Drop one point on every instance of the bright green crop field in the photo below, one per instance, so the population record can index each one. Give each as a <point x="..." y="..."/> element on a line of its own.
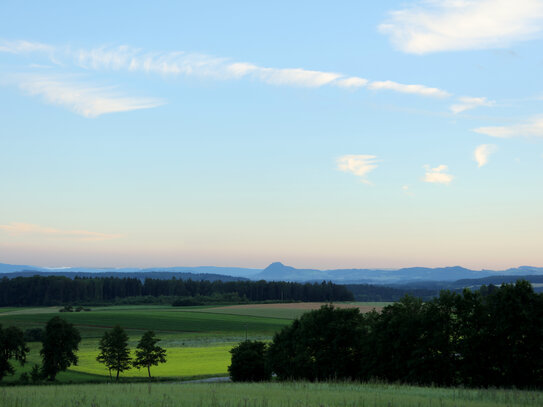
<point x="261" y="395"/>
<point x="196" y="339"/>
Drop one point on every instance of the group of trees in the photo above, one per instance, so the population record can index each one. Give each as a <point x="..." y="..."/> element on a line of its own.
<point x="60" y="343"/>
<point x="490" y="337"/>
<point x="115" y="353"/>
<point x="56" y="290"/>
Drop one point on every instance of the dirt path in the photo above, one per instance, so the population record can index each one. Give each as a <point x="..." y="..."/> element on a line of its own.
<point x="299" y="305"/>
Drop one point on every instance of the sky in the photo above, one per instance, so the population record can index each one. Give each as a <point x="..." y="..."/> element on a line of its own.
<point x="326" y="135"/>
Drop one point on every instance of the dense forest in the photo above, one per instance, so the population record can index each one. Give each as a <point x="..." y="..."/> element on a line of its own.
<point x="37" y="290"/>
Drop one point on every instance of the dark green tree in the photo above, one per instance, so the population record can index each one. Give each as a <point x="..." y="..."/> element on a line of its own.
<point x="60" y="343"/>
<point x="12" y="347"/>
<point x="249" y="362"/>
<point x="106" y="355"/>
<point x="114" y="351"/>
<point x="320" y="345"/>
<point x="148" y="353"/>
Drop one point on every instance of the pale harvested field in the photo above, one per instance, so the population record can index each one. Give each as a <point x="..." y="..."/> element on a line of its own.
<point x="284" y="310"/>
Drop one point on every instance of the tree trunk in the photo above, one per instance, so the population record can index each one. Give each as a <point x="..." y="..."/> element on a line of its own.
<point x="117" y="378"/>
<point x="149" y="370"/>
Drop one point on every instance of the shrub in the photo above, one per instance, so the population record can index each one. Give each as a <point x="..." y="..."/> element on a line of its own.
<point x="249" y="362"/>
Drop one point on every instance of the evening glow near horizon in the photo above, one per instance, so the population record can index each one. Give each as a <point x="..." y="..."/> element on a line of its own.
<point x="352" y="134"/>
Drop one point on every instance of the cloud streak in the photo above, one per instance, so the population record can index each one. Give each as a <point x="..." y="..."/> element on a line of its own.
<point x="437" y="175"/>
<point x="124" y="58"/>
<point x="359" y="165"/>
<point x="532" y="128"/>
<point x="452" y="25"/>
<point x="82" y="99"/>
<point x="27" y="229"/>
<point x="413" y="89"/>
<point x="482" y="153"/>
<point x="468" y="103"/>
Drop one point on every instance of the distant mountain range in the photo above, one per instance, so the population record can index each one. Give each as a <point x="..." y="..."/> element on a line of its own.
<point x="278" y="271"/>
<point x="414" y="276"/>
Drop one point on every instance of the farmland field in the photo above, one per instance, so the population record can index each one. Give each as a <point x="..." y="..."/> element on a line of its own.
<point x="296" y="394"/>
<point x="197" y="339"/>
<point x="282" y="310"/>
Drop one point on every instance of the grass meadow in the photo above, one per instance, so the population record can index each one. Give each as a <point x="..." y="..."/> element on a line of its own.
<point x="261" y="395"/>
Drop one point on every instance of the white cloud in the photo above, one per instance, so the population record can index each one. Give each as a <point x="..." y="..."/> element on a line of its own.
<point x="482" y="153"/>
<point x="352" y="82"/>
<point x="27" y="229"/>
<point x="359" y="165"/>
<point x="414" y="89"/>
<point x="295" y="77"/>
<point x="205" y="66"/>
<point x="448" y="25"/>
<point x="21" y="47"/>
<point x="82" y="99"/>
<point x="467" y="103"/>
<point x="533" y="128"/>
<point x="437" y="175"/>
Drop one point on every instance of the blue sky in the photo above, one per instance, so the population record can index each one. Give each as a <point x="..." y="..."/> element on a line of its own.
<point x="353" y="134"/>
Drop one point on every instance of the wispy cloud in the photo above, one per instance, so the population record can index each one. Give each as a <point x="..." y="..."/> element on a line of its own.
<point x="482" y="153"/>
<point x="447" y="25"/>
<point x="205" y="66"/>
<point x="220" y="68"/>
<point x="414" y="89"/>
<point x="181" y="63"/>
<point x="437" y="175"/>
<point x="467" y="103"/>
<point x="22" y="47"/>
<point x="359" y="165"/>
<point x="532" y="128"/>
<point x="27" y="229"/>
<point x="82" y="99"/>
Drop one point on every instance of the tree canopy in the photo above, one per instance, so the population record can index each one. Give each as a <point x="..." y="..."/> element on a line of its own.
<point x="249" y="362"/>
<point x="114" y="351"/>
<point x="490" y="337"/>
<point x="60" y="344"/>
<point x="56" y="290"/>
<point x="12" y="347"/>
<point x="148" y="353"/>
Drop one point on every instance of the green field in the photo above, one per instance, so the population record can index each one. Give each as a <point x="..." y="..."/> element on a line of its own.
<point x="197" y="339"/>
<point x="182" y="322"/>
<point x="261" y="395"/>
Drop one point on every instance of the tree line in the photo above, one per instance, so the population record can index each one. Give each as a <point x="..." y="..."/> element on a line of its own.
<point x="60" y="343"/>
<point x="489" y="337"/>
<point x="55" y="290"/>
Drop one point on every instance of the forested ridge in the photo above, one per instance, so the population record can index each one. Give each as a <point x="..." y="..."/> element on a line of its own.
<point x="53" y="290"/>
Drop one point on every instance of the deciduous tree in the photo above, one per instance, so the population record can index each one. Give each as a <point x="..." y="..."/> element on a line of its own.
<point x="60" y="344"/>
<point x="148" y="353"/>
<point x="114" y="351"/>
<point x="12" y="347"/>
<point x="249" y="362"/>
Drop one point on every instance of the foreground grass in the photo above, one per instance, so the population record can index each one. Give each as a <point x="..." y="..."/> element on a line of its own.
<point x="261" y="395"/>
